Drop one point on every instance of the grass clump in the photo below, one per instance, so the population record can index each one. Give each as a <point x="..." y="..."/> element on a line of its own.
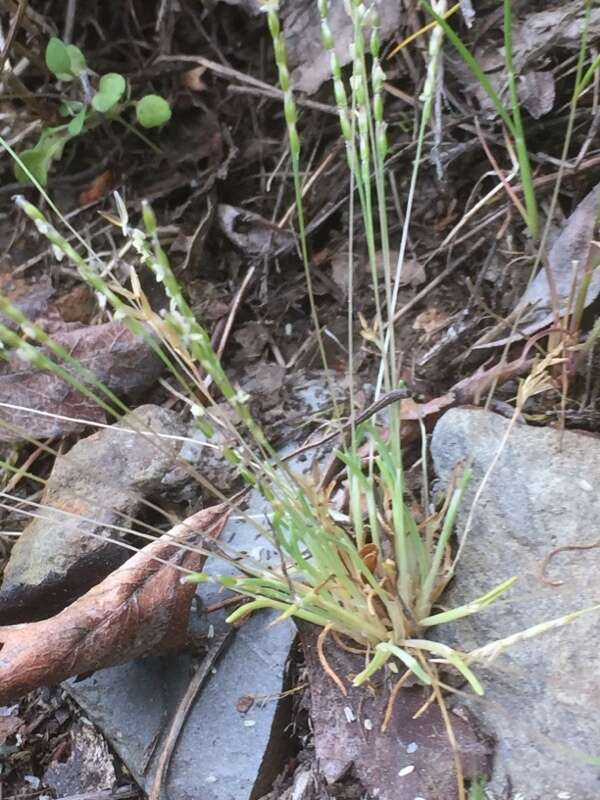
<point x="372" y="571"/>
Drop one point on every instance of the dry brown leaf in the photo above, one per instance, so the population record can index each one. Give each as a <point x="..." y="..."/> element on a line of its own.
<point x="430" y="321"/>
<point x="537" y="92"/>
<point x="32" y="299"/>
<point x="472" y="388"/>
<point x="9" y="725"/>
<point x="253" y="234"/>
<point x="97" y="188"/>
<point x="117" y="358"/>
<point x="412" y="273"/>
<point x="192" y="79"/>
<point x="410" y="410"/>
<point x="140" y="609"/>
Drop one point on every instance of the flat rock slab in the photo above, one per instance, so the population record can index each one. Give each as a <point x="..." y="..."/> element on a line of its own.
<point x="542" y="701"/>
<point x="412" y="758"/>
<point x="222" y="753"/>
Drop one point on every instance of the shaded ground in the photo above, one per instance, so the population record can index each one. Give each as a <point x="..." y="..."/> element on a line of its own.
<point x="218" y="177"/>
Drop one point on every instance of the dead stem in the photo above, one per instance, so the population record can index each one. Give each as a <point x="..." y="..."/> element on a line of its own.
<point x="392" y="701"/>
<point x="460" y="777"/>
<point x="358" y="651"/>
<point x="325" y="664"/>
<point x="555" y="552"/>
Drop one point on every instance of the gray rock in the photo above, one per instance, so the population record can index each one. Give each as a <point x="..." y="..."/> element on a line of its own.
<point x="101" y="481"/>
<point x="88" y="768"/>
<point x="221" y="754"/>
<point x="542" y="700"/>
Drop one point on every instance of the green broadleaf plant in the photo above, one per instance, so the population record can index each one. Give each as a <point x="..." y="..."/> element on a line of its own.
<point x="111" y="89"/>
<point x="66" y="61"/>
<point x="110" y="101"/>
<point x="152" y="111"/>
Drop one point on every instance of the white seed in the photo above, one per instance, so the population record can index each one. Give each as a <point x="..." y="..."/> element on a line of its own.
<point x="249" y="723"/>
<point x="406" y="771"/>
<point x="349" y="714"/>
<point x="368" y="725"/>
<point x="412" y="747"/>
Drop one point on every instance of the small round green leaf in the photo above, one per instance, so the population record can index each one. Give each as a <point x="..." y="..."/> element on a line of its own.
<point x="111" y="89"/>
<point x="58" y="60"/>
<point x="76" y="60"/>
<point x="152" y="111"/>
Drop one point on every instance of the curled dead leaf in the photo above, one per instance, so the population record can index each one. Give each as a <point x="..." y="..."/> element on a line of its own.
<point x="253" y="234"/>
<point x="140" y="609"/>
<point x="97" y="188"/>
<point x="192" y="79"/>
<point x="572" y="276"/>
<point x="370" y="556"/>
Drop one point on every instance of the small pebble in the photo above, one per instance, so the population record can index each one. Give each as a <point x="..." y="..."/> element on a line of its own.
<point x="406" y="771"/>
<point x="412" y="747"/>
<point x="368" y="725"/>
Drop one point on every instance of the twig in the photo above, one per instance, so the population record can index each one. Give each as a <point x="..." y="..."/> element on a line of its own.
<point x="325" y="663"/>
<point x="70" y="13"/>
<point x="125" y="794"/>
<point x="392" y="700"/>
<point x="12" y="33"/>
<point x="233" y="311"/>
<point x="229" y="72"/>
<point x="555" y="552"/>
<point x="215" y="650"/>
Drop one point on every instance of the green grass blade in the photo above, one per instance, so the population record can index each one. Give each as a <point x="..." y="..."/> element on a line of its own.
<point x="469" y="608"/>
<point x="409" y="661"/>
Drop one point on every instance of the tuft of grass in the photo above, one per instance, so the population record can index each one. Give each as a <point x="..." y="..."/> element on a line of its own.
<point x="372" y="572"/>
